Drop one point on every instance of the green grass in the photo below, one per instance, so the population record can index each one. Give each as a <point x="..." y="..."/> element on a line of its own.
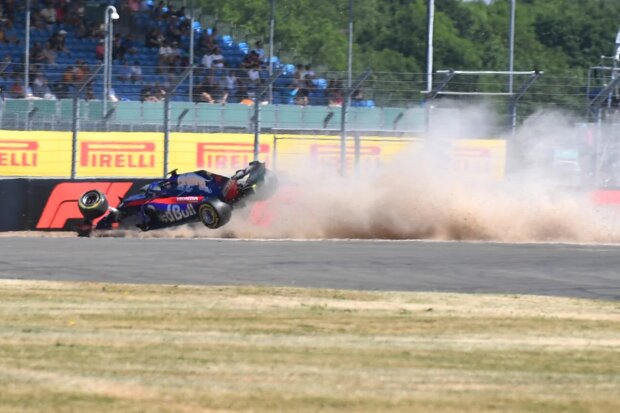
<point x="85" y="347"/>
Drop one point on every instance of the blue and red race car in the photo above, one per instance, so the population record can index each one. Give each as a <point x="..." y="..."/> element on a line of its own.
<point x="180" y="199"/>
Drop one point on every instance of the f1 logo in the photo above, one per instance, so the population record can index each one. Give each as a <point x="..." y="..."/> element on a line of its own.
<point x="62" y="204"/>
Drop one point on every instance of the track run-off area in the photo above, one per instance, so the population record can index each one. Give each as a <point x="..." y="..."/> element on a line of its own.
<point x="570" y="270"/>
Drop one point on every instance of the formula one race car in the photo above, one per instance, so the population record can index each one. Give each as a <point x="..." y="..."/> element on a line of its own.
<point x="180" y="199"/>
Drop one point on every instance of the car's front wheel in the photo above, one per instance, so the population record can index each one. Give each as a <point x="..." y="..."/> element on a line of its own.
<point x="215" y="213"/>
<point x="93" y="204"/>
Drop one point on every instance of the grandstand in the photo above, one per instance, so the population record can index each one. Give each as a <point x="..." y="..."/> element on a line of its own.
<point x="82" y="47"/>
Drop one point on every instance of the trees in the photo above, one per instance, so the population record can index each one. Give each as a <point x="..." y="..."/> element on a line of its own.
<point x="390" y="35"/>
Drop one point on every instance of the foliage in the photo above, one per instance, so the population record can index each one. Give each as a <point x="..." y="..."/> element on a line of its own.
<point x="390" y="35"/>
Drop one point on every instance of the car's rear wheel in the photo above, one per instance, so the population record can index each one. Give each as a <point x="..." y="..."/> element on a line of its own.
<point x="93" y="204"/>
<point x="215" y="213"/>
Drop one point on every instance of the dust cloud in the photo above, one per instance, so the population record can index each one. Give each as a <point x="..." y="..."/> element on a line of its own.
<point x="424" y="194"/>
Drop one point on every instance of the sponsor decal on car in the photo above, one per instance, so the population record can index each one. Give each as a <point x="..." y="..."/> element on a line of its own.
<point x="189" y="199"/>
<point x="174" y="213"/>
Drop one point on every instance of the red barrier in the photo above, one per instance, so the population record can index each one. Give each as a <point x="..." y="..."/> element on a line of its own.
<point x="62" y="204"/>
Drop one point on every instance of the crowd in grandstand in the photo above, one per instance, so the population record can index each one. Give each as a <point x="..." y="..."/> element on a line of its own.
<point x="66" y="44"/>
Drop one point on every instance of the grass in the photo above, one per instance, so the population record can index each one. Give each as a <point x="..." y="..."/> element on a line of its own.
<point x="86" y="347"/>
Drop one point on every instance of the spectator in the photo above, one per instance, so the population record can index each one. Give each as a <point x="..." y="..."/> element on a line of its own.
<point x="217" y="60"/>
<point x="66" y="83"/>
<point x="357" y="98"/>
<point x="334" y="93"/>
<point x="90" y="93"/>
<point x="127" y="45"/>
<point x="36" y="53"/>
<point x="154" y="39"/>
<point x="117" y="51"/>
<point x="250" y="60"/>
<point x="173" y="33"/>
<point x="133" y="5"/>
<point x="9" y="9"/>
<point x="80" y="72"/>
<point x="232" y="85"/>
<point x="159" y="91"/>
<point x="48" y="13"/>
<point x="259" y="50"/>
<point x="254" y="76"/>
<point x="300" y="75"/>
<point x="207" y="42"/>
<point x="300" y="86"/>
<point x="61" y="10"/>
<point x="136" y="72"/>
<point x="125" y="73"/>
<point x="301" y="95"/>
<point x="146" y="94"/>
<point x="48" y="54"/>
<point x="67" y="76"/>
<point x="16" y="91"/>
<point x="100" y="50"/>
<point x="57" y="41"/>
<point x="40" y="88"/>
<point x="166" y="57"/>
<point x="4" y="38"/>
<point x="205" y="89"/>
<point x="81" y="30"/>
<point x="211" y="91"/>
<point x="37" y="22"/>
<point x="207" y="60"/>
<point x="158" y="11"/>
<point x="75" y="12"/>
<point x="95" y="30"/>
<point x="5" y="64"/>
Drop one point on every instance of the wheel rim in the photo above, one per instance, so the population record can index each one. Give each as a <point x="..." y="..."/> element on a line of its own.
<point x="90" y="199"/>
<point x="208" y="216"/>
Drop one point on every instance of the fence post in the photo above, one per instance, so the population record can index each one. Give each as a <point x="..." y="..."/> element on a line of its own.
<point x="259" y="95"/>
<point x="76" y="123"/>
<point x="169" y="93"/>
<point x="343" y="121"/>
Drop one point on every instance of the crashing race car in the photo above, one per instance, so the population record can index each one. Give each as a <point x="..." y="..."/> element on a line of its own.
<point x="180" y="199"/>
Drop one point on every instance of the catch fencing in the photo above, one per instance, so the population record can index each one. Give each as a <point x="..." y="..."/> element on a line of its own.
<point x="388" y="106"/>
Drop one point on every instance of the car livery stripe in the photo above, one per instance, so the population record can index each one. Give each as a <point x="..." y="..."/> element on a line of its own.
<point x="173" y="200"/>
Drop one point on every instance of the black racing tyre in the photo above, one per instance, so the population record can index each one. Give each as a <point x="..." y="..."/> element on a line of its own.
<point x="215" y="213"/>
<point x="93" y="204"/>
<point x="266" y="188"/>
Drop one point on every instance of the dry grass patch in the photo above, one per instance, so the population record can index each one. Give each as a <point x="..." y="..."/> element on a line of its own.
<point x="80" y="347"/>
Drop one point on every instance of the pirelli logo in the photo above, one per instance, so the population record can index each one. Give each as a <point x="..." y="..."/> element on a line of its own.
<point x="226" y="155"/>
<point x="115" y="154"/>
<point x="19" y="153"/>
<point x="327" y="156"/>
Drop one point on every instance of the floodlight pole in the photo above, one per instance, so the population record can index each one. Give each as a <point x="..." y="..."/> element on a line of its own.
<point x="110" y="15"/>
<point x="191" y="53"/>
<point x="257" y="102"/>
<point x="350" y="47"/>
<point x="429" y="45"/>
<point x="27" y="51"/>
<point x="343" y="120"/>
<point x="272" y="24"/>
<point x="511" y="47"/>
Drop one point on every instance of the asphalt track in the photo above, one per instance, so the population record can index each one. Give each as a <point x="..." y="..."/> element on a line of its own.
<point x="589" y="271"/>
